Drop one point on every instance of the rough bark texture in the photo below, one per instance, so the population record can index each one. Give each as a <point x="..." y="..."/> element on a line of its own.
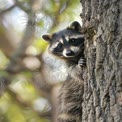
<point x="103" y="76"/>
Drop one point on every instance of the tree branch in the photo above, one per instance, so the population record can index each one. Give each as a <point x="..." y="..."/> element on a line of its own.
<point x="17" y="4"/>
<point x="26" y="41"/>
<point x="6" y="10"/>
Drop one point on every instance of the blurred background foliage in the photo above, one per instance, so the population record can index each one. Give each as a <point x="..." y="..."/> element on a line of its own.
<point x="29" y="77"/>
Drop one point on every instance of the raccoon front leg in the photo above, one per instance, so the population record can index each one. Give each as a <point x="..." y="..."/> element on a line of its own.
<point x="76" y="71"/>
<point x="82" y="62"/>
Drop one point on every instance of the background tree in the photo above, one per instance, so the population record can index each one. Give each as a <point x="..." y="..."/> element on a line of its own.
<point x="103" y="76"/>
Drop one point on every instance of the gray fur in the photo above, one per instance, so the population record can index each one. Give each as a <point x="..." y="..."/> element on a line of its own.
<point x="71" y="93"/>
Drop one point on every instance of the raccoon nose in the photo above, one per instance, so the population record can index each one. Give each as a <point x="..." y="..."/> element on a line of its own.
<point x="69" y="53"/>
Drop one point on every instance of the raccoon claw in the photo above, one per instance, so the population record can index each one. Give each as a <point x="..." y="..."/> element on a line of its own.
<point x="82" y="62"/>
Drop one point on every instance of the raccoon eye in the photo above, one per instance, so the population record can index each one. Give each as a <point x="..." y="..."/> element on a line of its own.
<point x="72" y="40"/>
<point x="60" y="45"/>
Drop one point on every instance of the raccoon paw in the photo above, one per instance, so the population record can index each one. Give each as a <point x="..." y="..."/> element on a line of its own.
<point x="82" y="62"/>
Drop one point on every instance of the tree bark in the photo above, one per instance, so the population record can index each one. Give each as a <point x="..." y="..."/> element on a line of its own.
<point x="103" y="75"/>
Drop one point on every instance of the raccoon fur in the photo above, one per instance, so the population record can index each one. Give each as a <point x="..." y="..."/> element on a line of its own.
<point x="68" y="44"/>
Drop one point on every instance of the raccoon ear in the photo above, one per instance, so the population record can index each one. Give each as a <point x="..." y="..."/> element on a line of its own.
<point x="75" y="26"/>
<point x="47" y="37"/>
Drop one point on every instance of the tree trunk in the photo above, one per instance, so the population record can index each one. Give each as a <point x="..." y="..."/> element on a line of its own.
<point x="103" y="75"/>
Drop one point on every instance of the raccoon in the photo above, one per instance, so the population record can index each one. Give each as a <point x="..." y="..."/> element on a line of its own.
<point x="68" y="44"/>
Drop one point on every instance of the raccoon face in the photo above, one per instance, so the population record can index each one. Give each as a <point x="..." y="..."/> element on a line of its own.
<point x="66" y="43"/>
